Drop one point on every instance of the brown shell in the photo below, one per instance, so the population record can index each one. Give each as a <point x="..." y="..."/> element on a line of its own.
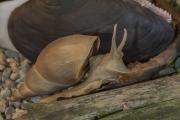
<point x="60" y="65"/>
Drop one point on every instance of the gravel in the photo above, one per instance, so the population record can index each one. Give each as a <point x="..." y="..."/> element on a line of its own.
<point x="13" y="69"/>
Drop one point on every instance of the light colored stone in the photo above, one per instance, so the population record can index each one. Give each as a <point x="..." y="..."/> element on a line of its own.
<point x="6" y="74"/>
<point x="9" y="84"/>
<point x="3" y="105"/>
<point x="18" y="113"/>
<point x="36" y="99"/>
<point x="2" y="58"/>
<point x="5" y="93"/>
<point x="2" y="67"/>
<point x="25" y="65"/>
<point x="13" y="64"/>
<point x="14" y="76"/>
<point x="22" y="75"/>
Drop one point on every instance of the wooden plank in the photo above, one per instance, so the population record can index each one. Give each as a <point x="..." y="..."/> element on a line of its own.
<point x="105" y="103"/>
<point x="169" y="110"/>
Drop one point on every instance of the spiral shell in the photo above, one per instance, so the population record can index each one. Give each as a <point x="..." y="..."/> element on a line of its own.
<point x="60" y="65"/>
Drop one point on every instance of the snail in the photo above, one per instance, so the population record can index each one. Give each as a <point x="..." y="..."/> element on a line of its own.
<point x="30" y="25"/>
<point x="58" y="67"/>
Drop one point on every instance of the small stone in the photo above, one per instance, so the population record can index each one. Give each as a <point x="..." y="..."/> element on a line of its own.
<point x="24" y="103"/>
<point x="25" y="61"/>
<point x="25" y="65"/>
<point x="5" y="93"/>
<point x="24" y="68"/>
<point x="2" y="58"/>
<point x="11" y="60"/>
<point x="3" y="105"/>
<point x="6" y="74"/>
<point x="35" y="99"/>
<point x="19" y="113"/>
<point x="18" y="81"/>
<point x="10" y="84"/>
<point x="167" y="71"/>
<point x="22" y="75"/>
<point x="11" y="54"/>
<point x="13" y="64"/>
<point x="14" y="76"/>
<point x="14" y="67"/>
<point x="9" y="112"/>
<point x="2" y="67"/>
<point x="16" y="104"/>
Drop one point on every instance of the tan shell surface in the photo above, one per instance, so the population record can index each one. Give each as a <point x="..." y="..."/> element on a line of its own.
<point x="63" y="60"/>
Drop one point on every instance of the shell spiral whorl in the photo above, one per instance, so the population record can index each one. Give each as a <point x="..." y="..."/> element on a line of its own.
<point x="60" y="65"/>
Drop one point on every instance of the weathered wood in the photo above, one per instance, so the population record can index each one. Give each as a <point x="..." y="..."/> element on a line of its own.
<point x="169" y="110"/>
<point x="106" y="103"/>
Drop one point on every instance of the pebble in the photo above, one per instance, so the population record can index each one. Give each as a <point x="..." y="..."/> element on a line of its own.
<point x="13" y="64"/>
<point x="14" y="76"/>
<point x="2" y="58"/>
<point x="18" y="113"/>
<point x="6" y="74"/>
<point x="9" y="84"/>
<point x="3" y="105"/>
<point x="23" y="104"/>
<point x="22" y="75"/>
<point x="25" y="66"/>
<point x="36" y="99"/>
<point x="5" y="93"/>
<point x="2" y="67"/>
<point x="9" y="112"/>
<point x="13" y="69"/>
<point x="11" y="54"/>
<point x="16" y="104"/>
<point x="18" y="81"/>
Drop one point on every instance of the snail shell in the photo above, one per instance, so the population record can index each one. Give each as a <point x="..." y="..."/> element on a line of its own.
<point x="60" y="65"/>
